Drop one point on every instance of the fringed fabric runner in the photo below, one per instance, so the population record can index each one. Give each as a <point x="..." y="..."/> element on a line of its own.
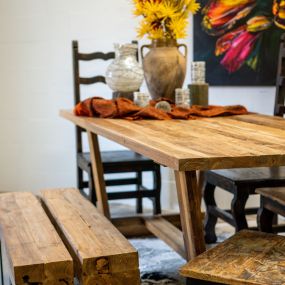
<point x="122" y="108"/>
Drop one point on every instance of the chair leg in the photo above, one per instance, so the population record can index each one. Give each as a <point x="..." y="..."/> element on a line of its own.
<point x="91" y="186"/>
<point x="157" y="188"/>
<point x="139" y="204"/>
<point x="210" y="219"/>
<point x="238" y="208"/>
<point x="79" y="178"/>
<point x="265" y="219"/>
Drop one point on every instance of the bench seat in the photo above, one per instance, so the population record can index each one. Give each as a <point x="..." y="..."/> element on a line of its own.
<point x="247" y="258"/>
<point x="102" y="255"/>
<point x="35" y="252"/>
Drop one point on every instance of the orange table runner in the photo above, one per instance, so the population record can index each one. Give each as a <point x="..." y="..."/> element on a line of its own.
<point x="122" y="108"/>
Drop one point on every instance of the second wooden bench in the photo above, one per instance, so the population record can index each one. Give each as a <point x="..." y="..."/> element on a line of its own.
<point x="35" y="253"/>
<point x="101" y="254"/>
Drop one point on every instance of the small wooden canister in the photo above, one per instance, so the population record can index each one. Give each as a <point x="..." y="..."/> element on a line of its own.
<point x="199" y="94"/>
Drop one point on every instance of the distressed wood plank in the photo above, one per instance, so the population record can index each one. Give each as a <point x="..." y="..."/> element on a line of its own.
<point x="189" y="199"/>
<point x="34" y="249"/>
<point x="248" y="258"/>
<point x="98" y="174"/>
<point x="275" y="194"/>
<point x="209" y="143"/>
<point x="167" y="232"/>
<point x="102" y="254"/>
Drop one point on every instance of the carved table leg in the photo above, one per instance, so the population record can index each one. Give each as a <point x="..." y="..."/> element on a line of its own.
<point x="210" y="220"/>
<point x="98" y="175"/>
<point x="189" y="199"/>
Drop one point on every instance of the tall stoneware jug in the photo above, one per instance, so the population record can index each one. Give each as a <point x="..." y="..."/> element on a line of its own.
<point x="164" y="67"/>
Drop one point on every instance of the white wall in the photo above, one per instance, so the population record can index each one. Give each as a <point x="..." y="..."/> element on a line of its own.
<point x="36" y="146"/>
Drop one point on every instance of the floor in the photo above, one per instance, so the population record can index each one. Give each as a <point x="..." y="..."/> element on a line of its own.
<point x="159" y="264"/>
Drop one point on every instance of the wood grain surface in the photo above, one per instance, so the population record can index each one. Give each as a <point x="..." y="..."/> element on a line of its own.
<point x="275" y="194"/>
<point x="102" y="255"/>
<point x="35" y="252"/>
<point x="209" y="143"/>
<point x="246" y="258"/>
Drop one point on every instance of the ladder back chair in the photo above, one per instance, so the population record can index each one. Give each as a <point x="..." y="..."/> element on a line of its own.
<point x="114" y="162"/>
<point x="242" y="182"/>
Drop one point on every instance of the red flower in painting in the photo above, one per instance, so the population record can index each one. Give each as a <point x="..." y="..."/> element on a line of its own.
<point x="239" y="43"/>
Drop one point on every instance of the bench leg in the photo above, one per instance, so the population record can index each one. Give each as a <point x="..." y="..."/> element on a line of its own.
<point x="210" y="220"/>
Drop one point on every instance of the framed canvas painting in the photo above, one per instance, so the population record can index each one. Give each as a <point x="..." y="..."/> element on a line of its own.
<point x="239" y="40"/>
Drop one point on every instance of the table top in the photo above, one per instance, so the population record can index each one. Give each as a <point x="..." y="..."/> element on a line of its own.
<point x="252" y="140"/>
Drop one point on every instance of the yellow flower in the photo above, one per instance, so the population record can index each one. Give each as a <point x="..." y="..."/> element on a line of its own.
<point x="167" y="10"/>
<point x="145" y="28"/>
<point x="177" y="26"/>
<point x="192" y="6"/>
<point x="156" y="34"/>
<point x="164" y="18"/>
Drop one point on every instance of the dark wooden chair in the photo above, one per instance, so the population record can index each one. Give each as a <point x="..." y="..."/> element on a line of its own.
<point x="272" y="202"/>
<point x="114" y="162"/>
<point x="243" y="182"/>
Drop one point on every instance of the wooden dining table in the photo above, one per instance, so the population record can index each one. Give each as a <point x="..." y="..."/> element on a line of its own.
<point x="185" y="146"/>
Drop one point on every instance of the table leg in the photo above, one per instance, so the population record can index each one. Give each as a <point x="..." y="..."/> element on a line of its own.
<point x="98" y="175"/>
<point x="190" y="212"/>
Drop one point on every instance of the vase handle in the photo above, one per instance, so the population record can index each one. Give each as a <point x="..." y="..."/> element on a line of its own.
<point x="142" y="48"/>
<point x="185" y="49"/>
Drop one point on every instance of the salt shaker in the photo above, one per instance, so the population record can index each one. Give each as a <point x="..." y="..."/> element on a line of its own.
<point x="179" y="97"/>
<point x="141" y="99"/>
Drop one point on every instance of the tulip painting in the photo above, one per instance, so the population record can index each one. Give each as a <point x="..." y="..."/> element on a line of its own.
<point x="239" y="40"/>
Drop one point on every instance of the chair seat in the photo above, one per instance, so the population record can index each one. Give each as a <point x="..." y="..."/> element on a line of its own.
<point x="249" y="257"/>
<point x="119" y="161"/>
<point x="249" y="175"/>
<point x="274" y="194"/>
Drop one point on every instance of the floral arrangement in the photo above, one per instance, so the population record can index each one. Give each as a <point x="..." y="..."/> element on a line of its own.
<point x="164" y="18"/>
<point x="242" y="29"/>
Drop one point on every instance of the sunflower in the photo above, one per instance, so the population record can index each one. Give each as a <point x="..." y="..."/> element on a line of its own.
<point x="164" y="18"/>
<point x="192" y="6"/>
<point x="178" y="26"/>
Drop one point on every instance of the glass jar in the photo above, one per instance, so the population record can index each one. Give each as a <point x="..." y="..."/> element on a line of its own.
<point x="125" y="74"/>
<point x="198" y="72"/>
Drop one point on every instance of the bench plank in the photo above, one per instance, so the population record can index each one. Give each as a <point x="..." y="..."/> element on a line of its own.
<point x="102" y="254"/>
<point x="34" y="250"/>
<point x="247" y="258"/>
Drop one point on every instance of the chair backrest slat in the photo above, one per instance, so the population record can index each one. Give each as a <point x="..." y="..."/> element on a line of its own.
<point x="92" y="80"/>
<point x="78" y="80"/>
<point x="96" y="55"/>
<point x="279" y="108"/>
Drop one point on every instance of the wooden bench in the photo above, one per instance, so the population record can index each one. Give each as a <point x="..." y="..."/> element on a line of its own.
<point x="30" y="243"/>
<point x="102" y="255"/>
<point x="247" y="258"/>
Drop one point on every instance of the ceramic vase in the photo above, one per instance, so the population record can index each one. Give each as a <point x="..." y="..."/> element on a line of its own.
<point x="125" y="74"/>
<point x="164" y="67"/>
